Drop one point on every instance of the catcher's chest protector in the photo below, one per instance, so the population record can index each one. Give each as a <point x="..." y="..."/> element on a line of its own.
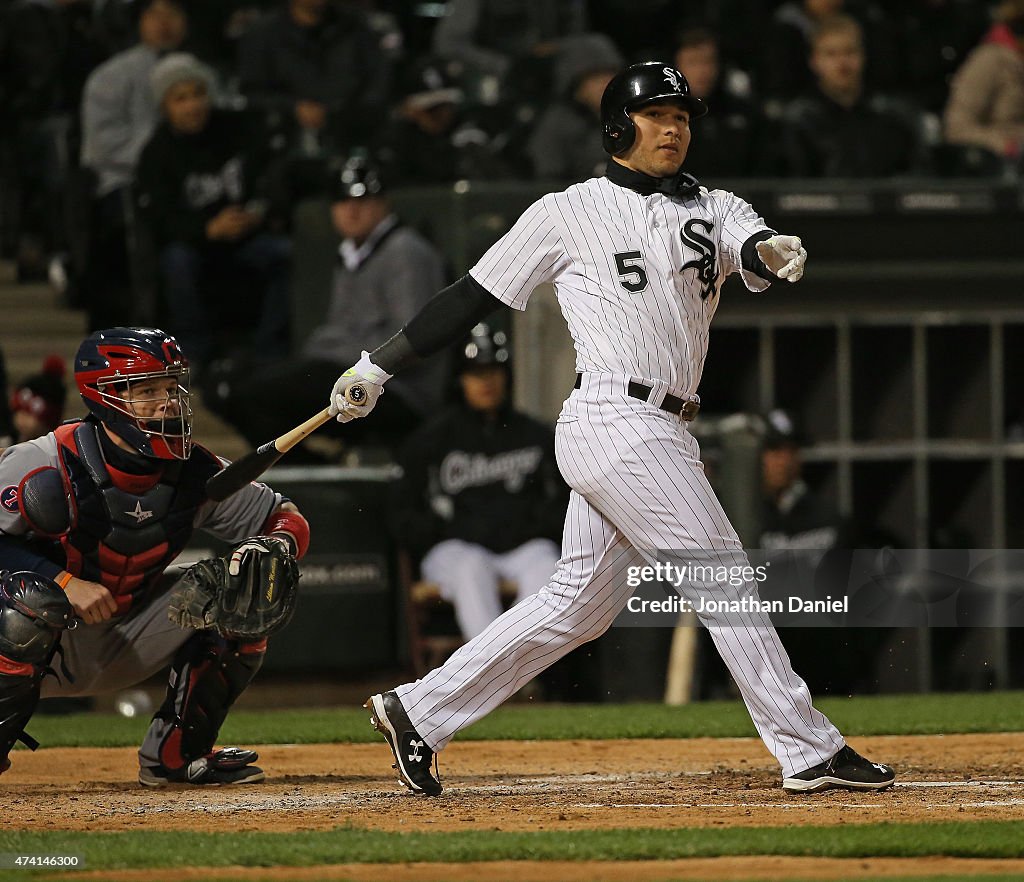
<point x="126" y="529"/>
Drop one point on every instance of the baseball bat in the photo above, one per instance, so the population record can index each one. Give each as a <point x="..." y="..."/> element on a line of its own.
<point x="234" y="476"/>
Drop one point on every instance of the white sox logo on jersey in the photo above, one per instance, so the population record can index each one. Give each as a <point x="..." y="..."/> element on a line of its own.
<point x="707" y="264"/>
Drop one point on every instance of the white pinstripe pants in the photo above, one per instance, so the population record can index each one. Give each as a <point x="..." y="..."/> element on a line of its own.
<point x="638" y="486"/>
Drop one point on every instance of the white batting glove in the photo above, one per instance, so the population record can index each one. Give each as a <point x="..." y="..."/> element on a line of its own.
<point x="783" y="255"/>
<point x="346" y="404"/>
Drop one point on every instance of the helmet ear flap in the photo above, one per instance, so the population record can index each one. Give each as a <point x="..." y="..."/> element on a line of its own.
<point x="618" y="136"/>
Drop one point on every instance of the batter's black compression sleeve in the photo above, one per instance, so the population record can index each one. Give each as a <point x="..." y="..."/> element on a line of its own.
<point x="751" y="260"/>
<point x="447" y="317"/>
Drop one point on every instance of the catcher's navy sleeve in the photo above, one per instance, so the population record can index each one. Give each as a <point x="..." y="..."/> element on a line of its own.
<point x="15" y="556"/>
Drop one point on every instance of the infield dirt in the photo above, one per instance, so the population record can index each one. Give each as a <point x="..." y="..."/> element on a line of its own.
<point x="528" y="786"/>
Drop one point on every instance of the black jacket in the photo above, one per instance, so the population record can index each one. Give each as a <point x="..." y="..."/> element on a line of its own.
<point x="185" y="180"/>
<point x="491" y="482"/>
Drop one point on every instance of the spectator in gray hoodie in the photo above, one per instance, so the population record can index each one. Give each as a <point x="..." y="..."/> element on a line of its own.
<point x="566" y="144"/>
<point x="119" y="113"/>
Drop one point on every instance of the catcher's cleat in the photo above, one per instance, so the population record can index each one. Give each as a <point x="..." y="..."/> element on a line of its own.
<point x="847" y="770"/>
<point x="229" y="765"/>
<point x="412" y="755"/>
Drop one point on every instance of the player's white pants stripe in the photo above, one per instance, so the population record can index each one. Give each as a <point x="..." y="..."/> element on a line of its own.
<point x="639" y="487"/>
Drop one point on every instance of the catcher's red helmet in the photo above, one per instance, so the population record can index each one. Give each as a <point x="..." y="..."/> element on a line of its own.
<point x="109" y="362"/>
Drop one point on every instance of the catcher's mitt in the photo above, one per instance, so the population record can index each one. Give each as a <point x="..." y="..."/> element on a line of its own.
<point x="247" y="594"/>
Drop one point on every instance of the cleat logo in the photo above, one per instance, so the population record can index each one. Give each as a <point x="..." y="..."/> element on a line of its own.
<point x="415" y="757"/>
<point x="880" y="768"/>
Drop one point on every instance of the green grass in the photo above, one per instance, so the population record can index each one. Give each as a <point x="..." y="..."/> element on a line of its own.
<point x="995" y="839"/>
<point x="871" y="715"/>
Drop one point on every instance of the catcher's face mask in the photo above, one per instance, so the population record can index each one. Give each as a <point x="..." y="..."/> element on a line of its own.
<point x="158" y="405"/>
<point x="135" y="380"/>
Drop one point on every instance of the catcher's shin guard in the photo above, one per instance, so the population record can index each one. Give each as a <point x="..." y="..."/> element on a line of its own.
<point x="207" y="675"/>
<point x="34" y="611"/>
<point x="19" y="695"/>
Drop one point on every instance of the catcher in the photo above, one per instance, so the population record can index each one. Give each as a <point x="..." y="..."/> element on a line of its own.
<point x="91" y="515"/>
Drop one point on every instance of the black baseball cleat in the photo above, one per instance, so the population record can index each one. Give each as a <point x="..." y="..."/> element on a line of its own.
<point x="229" y="765"/>
<point x="847" y="770"/>
<point x="412" y="756"/>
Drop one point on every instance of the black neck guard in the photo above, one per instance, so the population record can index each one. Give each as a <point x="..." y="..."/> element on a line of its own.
<point x="682" y="185"/>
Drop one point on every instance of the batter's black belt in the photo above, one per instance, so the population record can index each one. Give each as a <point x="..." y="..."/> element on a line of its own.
<point x="685" y="410"/>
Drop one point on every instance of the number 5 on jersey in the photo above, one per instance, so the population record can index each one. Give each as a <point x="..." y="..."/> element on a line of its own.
<point x="632" y="275"/>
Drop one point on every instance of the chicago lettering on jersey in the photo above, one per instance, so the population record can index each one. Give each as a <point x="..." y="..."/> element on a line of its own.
<point x="460" y="470"/>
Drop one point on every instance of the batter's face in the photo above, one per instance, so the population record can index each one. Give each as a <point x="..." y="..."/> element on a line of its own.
<point x="662" y="139"/>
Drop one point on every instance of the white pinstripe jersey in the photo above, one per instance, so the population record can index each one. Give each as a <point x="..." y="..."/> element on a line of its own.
<point x="637" y="277"/>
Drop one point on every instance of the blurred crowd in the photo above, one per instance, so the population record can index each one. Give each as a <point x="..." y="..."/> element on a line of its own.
<point x="479" y="89"/>
<point x="153" y="152"/>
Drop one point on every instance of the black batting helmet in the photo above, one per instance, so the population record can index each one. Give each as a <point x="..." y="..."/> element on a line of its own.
<point x="484" y="348"/>
<point x="355" y="177"/>
<point x="637" y="85"/>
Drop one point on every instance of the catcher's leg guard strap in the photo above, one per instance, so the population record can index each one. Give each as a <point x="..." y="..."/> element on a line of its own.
<point x="19" y="695"/>
<point x="206" y="677"/>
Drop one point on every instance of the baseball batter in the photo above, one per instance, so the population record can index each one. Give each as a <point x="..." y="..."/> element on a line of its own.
<point x="638" y="259"/>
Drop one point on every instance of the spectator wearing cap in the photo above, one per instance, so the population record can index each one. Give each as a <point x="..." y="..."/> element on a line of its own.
<point x="792" y="516"/>
<point x="37" y="404"/>
<point x="986" y="98"/>
<point x="430" y="139"/>
<point x="384" y="273"/>
<point x="480" y="499"/>
<point x="796" y="518"/>
<point x="119" y="115"/>
<point x="566" y="143"/>
<point x="205" y="189"/>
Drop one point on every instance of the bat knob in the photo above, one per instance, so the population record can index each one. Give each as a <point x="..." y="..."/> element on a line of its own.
<point x="356" y="394"/>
